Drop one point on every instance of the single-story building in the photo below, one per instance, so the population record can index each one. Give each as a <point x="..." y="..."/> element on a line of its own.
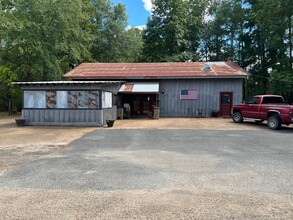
<point x="191" y="89"/>
<point x="74" y="103"/>
<point x="100" y="91"/>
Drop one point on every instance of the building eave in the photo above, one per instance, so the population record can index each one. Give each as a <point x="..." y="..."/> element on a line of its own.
<point x="164" y="77"/>
<point x="66" y="82"/>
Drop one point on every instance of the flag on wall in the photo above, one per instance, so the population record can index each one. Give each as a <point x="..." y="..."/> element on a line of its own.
<point x="188" y="94"/>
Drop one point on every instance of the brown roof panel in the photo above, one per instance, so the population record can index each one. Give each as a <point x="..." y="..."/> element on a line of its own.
<point x="156" y="70"/>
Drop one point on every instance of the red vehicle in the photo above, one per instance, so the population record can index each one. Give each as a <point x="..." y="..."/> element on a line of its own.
<point x="265" y="107"/>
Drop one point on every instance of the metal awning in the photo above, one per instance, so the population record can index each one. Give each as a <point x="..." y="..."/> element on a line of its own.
<point x="140" y="87"/>
<point x="66" y="82"/>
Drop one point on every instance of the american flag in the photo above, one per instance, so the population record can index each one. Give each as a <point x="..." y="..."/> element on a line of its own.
<point x="188" y="94"/>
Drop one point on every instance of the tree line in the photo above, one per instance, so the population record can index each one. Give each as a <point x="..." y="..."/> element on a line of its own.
<point x="256" y="34"/>
<point x="43" y="39"/>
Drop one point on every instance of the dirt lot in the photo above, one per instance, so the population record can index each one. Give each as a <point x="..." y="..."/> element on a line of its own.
<point x="20" y="145"/>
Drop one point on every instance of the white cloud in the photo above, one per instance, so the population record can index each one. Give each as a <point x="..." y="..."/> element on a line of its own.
<point x="148" y="5"/>
<point x="140" y="27"/>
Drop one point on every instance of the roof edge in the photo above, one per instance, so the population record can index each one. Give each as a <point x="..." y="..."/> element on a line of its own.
<point x="166" y="77"/>
<point x="66" y="82"/>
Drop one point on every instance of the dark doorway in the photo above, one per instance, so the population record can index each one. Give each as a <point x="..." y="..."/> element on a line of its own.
<point x="226" y="102"/>
<point x="140" y="104"/>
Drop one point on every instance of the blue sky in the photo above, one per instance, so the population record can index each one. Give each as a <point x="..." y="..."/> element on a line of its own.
<point x="137" y="10"/>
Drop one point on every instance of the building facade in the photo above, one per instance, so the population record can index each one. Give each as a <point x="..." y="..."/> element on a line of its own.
<point x="69" y="103"/>
<point x="178" y="89"/>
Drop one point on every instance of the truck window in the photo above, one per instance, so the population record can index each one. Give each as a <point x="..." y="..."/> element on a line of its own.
<point x="253" y="100"/>
<point x="273" y="100"/>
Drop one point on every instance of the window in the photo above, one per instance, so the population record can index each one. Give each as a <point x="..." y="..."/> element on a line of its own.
<point x="275" y="100"/>
<point x="83" y="99"/>
<point x="61" y="99"/>
<point x="253" y="100"/>
<point x="72" y="99"/>
<point x="64" y="99"/>
<point x="107" y="99"/>
<point x="51" y="99"/>
<point x="93" y="99"/>
<point x="34" y="99"/>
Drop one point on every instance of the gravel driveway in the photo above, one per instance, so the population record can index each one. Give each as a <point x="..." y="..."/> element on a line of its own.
<point x="150" y="173"/>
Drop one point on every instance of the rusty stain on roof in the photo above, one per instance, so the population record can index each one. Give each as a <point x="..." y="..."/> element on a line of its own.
<point x="155" y="70"/>
<point x="140" y="87"/>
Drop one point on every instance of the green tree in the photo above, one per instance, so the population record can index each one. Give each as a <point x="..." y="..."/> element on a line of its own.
<point x="271" y="40"/>
<point x="281" y="83"/>
<point x="153" y="50"/>
<point x="255" y="34"/>
<point x="195" y="26"/>
<point x="40" y="38"/>
<point x="223" y="31"/>
<point x="166" y="37"/>
<point x="113" y="41"/>
<point x="8" y="90"/>
<point x="134" y="45"/>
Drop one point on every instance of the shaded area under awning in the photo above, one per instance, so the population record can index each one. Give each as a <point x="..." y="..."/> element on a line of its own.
<point x="139" y="87"/>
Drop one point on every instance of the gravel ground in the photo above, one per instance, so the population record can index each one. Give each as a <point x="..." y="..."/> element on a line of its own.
<point x="19" y="145"/>
<point x="22" y="145"/>
<point x="141" y="204"/>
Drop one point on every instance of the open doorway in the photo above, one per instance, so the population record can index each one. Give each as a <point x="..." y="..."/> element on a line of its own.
<point x="141" y="105"/>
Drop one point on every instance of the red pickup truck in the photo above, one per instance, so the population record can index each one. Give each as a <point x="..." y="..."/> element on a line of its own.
<point x="265" y="107"/>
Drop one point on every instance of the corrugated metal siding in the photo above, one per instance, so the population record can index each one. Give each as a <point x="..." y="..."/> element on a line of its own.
<point x="92" y="117"/>
<point x="208" y="96"/>
<point x="72" y="117"/>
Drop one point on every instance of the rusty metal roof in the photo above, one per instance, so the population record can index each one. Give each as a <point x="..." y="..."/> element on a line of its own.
<point x="156" y="70"/>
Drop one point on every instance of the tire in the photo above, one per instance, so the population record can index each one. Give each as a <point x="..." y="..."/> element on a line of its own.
<point x="274" y="122"/>
<point x="237" y="117"/>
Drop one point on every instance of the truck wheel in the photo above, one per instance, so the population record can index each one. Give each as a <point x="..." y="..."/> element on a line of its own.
<point x="274" y="122"/>
<point x="237" y="117"/>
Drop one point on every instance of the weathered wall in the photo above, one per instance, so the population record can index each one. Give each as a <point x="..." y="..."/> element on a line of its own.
<point x="81" y="105"/>
<point x="208" y="96"/>
<point x="67" y="117"/>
